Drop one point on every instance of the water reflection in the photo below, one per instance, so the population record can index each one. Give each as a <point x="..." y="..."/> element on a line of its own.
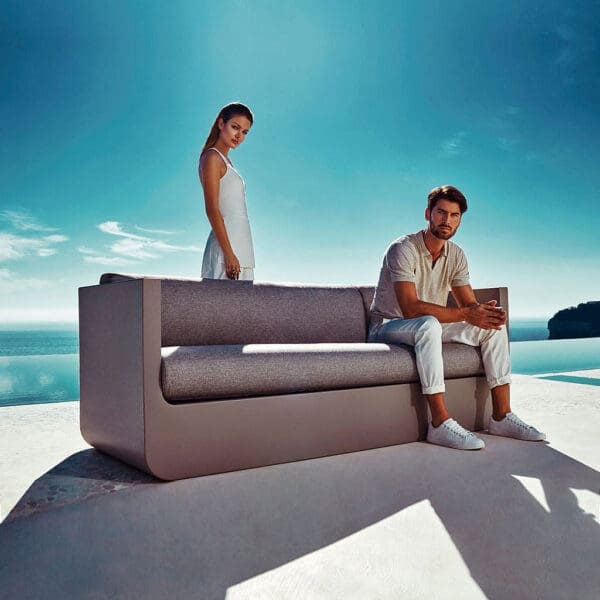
<point x="38" y="379"/>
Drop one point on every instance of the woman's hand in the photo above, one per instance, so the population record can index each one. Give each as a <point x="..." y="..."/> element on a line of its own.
<point x="232" y="266"/>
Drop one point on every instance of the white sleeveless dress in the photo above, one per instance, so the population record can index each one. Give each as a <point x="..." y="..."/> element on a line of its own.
<point x="232" y="205"/>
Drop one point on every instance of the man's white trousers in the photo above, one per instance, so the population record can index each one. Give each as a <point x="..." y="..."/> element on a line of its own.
<point x="427" y="334"/>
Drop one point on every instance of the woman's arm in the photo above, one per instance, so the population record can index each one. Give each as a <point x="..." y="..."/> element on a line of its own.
<point x="211" y="170"/>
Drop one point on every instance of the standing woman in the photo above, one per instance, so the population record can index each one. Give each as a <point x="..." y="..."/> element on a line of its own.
<point x="229" y="253"/>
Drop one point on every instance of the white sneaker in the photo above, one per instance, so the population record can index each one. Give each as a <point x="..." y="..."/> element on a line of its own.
<point x="453" y="435"/>
<point x="511" y="426"/>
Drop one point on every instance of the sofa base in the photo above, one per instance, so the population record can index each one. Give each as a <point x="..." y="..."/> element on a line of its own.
<point x="190" y="440"/>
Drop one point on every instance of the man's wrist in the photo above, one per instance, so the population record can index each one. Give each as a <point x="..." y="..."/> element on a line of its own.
<point x="464" y="310"/>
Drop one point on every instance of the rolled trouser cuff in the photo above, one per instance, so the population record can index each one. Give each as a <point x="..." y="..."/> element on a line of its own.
<point x="434" y="389"/>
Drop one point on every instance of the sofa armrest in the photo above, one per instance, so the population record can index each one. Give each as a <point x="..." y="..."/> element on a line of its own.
<point x="120" y="338"/>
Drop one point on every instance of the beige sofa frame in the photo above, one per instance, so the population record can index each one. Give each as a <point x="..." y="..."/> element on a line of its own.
<point x="124" y="413"/>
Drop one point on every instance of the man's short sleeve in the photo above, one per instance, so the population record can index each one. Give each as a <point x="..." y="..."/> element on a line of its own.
<point x="461" y="273"/>
<point x="401" y="259"/>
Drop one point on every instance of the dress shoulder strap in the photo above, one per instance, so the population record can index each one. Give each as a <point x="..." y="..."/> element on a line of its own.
<point x="227" y="163"/>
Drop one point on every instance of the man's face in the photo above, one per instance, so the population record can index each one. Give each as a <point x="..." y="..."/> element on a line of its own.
<point x="444" y="219"/>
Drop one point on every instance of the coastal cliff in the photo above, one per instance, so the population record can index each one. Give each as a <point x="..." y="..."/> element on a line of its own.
<point x="576" y="322"/>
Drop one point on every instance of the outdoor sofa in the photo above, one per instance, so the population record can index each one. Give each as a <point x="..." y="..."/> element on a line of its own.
<point x="182" y="378"/>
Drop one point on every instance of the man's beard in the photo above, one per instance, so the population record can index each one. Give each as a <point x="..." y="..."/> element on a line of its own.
<point x="441" y="234"/>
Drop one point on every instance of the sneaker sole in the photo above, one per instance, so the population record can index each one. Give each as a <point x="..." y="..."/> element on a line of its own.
<point x="455" y="447"/>
<point x="516" y="437"/>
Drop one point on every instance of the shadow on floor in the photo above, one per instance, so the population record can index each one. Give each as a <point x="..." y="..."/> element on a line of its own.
<point x="86" y="474"/>
<point x="198" y="538"/>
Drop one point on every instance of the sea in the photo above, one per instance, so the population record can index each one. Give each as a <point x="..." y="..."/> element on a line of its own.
<point x="40" y="363"/>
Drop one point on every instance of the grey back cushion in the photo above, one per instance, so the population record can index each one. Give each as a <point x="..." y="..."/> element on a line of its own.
<point x="243" y="312"/>
<point x="367" y="293"/>
<point x="211" y="311"/>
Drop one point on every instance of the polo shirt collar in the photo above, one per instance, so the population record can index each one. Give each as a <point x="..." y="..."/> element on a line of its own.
<point x="423" y="247"/>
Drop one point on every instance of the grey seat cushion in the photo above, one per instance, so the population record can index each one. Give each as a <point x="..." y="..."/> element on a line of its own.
<point x="235" y="371"/>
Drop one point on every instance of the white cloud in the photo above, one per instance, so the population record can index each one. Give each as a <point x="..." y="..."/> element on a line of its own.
<point x="116" y="261"/>
<point x="10" y="248"/>
<point x="17" y="245"/>
<point x="55" y="239"/>
<point x="156" y="231"/>
<point x="132" y="246"/>
<point x="114" y="228"/>
<point x="13" y="247"/>
<point x="44" y="252"/>
<point x="10" y="283"/>
<point x="92" y="256"/>
<point x="23" y="221"/>
<point x="158" y="245"/>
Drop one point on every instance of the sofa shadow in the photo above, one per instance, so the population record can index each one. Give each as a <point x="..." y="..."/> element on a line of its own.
<point x="83" y="475"/>
<point x="201" y="537"/>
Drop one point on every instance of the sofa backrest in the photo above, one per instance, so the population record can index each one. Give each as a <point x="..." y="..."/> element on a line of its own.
<point x="210" y="311"/>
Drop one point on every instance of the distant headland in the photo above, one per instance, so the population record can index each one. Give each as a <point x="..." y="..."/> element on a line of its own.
<point x="576" y="322"/>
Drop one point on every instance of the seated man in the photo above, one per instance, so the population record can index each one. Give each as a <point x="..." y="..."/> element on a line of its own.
<point x="409" y="307"/>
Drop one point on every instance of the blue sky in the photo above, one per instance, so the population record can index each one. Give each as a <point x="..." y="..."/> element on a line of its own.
<point x="360" y="109"/>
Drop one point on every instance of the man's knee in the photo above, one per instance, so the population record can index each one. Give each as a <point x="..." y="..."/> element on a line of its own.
<point x="496" y="336"/>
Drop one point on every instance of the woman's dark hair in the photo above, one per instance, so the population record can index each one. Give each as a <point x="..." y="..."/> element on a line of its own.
<point x="226" y="113"/>
<point x="446" y="192"/>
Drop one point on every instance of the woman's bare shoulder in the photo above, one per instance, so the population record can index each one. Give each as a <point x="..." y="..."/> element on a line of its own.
<point x="211" y="162"/>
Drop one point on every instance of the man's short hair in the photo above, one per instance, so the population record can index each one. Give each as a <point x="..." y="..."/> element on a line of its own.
<point x="447" y="192"/>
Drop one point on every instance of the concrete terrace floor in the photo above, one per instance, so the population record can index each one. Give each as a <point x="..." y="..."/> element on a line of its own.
<point x="516" y="520"/>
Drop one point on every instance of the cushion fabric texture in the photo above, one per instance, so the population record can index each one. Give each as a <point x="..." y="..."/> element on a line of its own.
<point x="235" y="371"/>
<point x="215" y="311"/>
<point x="225" y="312"/>
<point x="235" y="339"/>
